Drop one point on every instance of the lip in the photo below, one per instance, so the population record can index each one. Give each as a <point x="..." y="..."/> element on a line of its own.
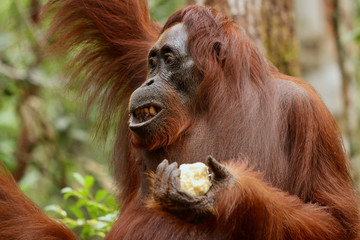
<point x="132" y="108"/>
<point x="134" y="124"/>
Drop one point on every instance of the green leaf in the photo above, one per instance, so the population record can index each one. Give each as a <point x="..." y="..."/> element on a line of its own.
<point x="100" y="195"/>
<point x="100" y="225"/>
<point x="93" y="211"/>
<point x="81" y="203"/>
<point x="78" y="213"/>
<point x="71" y="223"/>
<point x="89" y="181"/>
<point x="79" y="178"/>
<point x="85" y="193"/>
<point x="85" y="233"/>
<point x="72" y="194"/>
<point x="110" y="218"/>
<point x="66" y="190"/>
<point x="57" y="209"/>
<point x="110" y="202"/>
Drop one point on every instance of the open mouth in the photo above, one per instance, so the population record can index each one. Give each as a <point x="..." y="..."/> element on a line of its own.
<point x="144" y="114"/>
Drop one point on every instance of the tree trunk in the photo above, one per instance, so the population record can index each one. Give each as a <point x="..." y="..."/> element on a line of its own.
<point x="341" y="17"/>
<point x="341" y="20"/>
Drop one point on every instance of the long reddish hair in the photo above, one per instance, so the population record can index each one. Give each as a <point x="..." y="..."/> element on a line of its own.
<point x="108" y="43"/>
<point x="252" y="108"/>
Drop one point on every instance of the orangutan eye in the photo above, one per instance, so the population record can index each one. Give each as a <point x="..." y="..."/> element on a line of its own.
<point x="152" y="62"/>
<point x="168" y="58"/>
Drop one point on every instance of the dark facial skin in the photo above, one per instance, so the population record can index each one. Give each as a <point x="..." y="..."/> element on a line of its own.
<point x="170" y="74"/>
<point x="170" y="82"/>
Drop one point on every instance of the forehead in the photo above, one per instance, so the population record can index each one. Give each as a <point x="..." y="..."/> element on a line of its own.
<point x="176" y="37"/>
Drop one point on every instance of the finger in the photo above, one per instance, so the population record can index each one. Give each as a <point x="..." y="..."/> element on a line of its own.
<point x="167" y="172"/>
<point x="159" y="173"/>
<point x="175" y="179"/>
<point x="219" y="170"/>
<point x="161" y="167"/>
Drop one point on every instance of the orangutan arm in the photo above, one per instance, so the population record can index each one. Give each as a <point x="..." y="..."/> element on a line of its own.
<point x="244" y="206"/>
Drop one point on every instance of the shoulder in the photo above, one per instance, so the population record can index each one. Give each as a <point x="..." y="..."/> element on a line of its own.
<point x="291" y="90"/>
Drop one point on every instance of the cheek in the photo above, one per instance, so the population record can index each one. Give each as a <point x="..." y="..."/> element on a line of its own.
<point x="188" y="64"/>
<point x="185" y="81"/>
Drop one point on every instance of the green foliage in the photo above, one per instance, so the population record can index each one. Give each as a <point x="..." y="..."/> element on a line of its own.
<point x="93" y="214"/>
<point x="160" y="10"/>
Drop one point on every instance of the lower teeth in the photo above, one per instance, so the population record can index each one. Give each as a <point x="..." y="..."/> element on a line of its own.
<point x="145" y="114"/>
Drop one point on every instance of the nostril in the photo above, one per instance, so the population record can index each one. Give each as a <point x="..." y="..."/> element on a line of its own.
<point x="150" y="82"/>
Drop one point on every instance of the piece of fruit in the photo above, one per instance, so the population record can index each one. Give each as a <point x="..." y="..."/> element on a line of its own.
<point x="195" y="179"/>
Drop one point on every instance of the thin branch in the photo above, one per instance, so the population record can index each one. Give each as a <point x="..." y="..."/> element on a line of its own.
<point x="12" y="73"/>
<point x="348" y="77"/>
<point x="29" y="76"/>
<point x="19" y="75"/>
<point x="26" y="18"/>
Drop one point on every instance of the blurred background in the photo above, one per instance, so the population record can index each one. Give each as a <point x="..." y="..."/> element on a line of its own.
<point x="48" y="139"/>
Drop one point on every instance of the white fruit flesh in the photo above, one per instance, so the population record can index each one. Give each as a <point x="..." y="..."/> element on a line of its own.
<point x="194" y="179"/>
